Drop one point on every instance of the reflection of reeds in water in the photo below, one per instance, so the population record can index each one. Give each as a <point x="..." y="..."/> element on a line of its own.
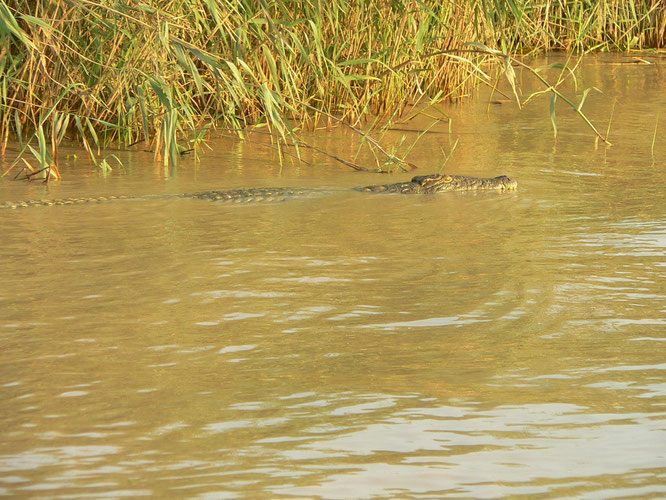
<point x="161" y="73"/>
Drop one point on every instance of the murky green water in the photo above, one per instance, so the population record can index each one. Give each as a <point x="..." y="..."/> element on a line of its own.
<point x="355" y="345"/>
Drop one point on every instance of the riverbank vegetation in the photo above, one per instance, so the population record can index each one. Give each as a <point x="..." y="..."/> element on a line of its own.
<point x="163" y="74"/>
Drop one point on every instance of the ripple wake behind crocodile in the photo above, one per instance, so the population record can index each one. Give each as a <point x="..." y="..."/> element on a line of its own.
<point x="421" y="184"/>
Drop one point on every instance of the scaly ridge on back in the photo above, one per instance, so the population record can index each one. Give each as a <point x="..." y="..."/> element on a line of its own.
<point x="249" y="195"/>
<point x="438" y="183"/>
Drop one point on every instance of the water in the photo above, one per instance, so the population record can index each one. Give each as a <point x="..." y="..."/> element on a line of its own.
<point x="350" y="346"/>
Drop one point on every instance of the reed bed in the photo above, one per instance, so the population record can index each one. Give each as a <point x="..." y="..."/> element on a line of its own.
<point x="163" y="73"/>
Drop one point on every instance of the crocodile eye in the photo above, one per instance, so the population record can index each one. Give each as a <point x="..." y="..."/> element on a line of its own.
<point x="447" y="179"/>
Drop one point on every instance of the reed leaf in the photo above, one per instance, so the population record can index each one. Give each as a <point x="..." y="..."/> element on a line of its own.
<point x="553" y="118"/>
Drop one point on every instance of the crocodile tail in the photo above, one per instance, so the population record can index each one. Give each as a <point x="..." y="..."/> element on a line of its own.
<point x="61" y="201"/>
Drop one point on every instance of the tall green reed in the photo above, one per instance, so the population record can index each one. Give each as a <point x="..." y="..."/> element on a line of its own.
<point x="165" y="73"/>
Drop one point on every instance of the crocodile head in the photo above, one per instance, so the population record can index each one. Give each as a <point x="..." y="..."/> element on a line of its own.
<point x="436" y="183"/>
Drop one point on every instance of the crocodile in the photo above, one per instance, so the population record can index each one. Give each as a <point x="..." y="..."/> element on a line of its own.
<point x="421" y="184"/>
